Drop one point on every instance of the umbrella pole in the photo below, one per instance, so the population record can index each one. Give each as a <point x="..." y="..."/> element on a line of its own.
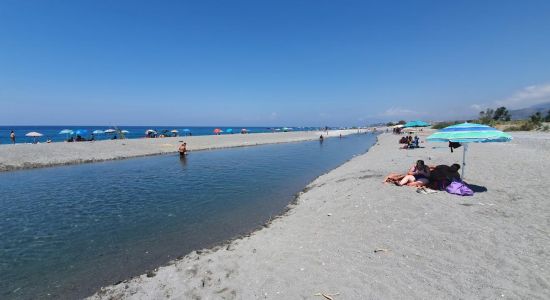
<point x="464" y="159"/>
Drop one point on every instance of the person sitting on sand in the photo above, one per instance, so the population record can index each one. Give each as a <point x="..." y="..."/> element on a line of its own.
<point x="417" y="176"/>
<point x="416" y="141"/>
<point x="182" y="149"/>
<point x="444" y="172"/>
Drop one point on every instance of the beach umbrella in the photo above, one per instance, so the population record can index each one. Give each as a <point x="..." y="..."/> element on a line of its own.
<point x="34" y="135"/>
<point x="67" y="132"/>
<point x="125" y="131"/>
<point x="217" y="131"/>
<point x="174" y="131"/>
<point x="229" y="130"/>
<point x="81" y="132"/>
<point x="469" y="133"/>
<point x="416" y="124"/>
<point x="149" y="131"/>
<point x="98" y="132"/>
<point x="110" y="131"/>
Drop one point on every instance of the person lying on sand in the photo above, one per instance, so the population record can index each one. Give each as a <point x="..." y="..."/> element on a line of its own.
<point x="417" y="176"/>
<point x="393" y="178"/>
<point x="443" y="175"/>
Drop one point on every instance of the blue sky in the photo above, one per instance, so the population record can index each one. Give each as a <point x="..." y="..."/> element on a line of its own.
<point x="265" y="63"/>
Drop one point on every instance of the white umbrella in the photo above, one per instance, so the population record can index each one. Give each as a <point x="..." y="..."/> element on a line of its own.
<point x="125" y="131"/>
<point x="98" y="132"/>
<point x="110" y="131"/>
<point x="174" y="131"/>
<point x="150" y="131"/>
<point x="34" y="134"/>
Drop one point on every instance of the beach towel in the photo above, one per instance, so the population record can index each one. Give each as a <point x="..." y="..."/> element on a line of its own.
<point x="393" y="178"/>
<point x="459" y="188"/>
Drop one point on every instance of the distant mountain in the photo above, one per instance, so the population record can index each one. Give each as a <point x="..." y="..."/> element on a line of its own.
<point x="524" y="113"/>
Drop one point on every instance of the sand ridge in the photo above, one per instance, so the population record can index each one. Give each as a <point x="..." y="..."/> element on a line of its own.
<point x="26" y="156"/>
<point x="353" y="237"/>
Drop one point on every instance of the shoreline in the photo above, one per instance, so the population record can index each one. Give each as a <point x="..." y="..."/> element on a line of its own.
<point x="31" y="156"/>
<point x="349" y="215"/>
<point x="227" y="243"/>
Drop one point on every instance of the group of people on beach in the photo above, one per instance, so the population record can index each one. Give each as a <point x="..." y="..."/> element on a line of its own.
<point x="422" y="175"/>
<point x="409" y="142"/>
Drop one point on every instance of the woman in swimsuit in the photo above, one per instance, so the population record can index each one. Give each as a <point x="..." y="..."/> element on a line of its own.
<point x="417" y="176"/>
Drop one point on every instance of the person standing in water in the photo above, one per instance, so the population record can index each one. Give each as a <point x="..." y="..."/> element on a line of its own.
<point x="12" y="137"/>
<point x="183" y="149"/>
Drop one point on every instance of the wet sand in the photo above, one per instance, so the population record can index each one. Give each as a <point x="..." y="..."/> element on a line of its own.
<point x="352" y="237"/>
<point x="25" y="156"/>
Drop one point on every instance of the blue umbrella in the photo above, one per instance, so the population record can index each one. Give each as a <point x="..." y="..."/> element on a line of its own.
<point x="416" y="124"/>
<point x="469" y="133"/>
<point x="229" y="130"/>
<point x="81" y="132"/>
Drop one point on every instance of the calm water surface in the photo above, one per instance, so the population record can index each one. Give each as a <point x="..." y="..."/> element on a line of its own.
<point x="66" y="231"/>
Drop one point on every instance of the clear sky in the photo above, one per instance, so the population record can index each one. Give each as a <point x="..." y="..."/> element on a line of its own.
<point x="294" y="63"/>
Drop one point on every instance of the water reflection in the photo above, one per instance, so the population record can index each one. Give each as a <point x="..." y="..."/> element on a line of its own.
<point x="183" y="161"/>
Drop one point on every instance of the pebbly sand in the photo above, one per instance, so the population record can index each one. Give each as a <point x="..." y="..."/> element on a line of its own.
<point x="352" y="237"/>
<point x="25" y="156"/>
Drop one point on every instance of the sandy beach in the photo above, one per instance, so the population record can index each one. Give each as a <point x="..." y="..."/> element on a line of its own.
<point x="349" y="236"/>
<point x="26" y="156"/>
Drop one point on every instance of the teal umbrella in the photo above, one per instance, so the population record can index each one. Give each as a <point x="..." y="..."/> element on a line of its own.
<point x="469" y="133"/>
<point x="416" y="124"/>
<point x="67" y="132"/>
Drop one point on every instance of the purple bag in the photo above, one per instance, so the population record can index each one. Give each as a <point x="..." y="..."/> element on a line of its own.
<point x="459" y="188"/>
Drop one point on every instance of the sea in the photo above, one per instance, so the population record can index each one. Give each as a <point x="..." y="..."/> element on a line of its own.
<point x="68" y="230"/>
<point x="52" y="133"/>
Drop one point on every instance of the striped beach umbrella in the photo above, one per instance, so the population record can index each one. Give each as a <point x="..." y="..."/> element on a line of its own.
<point x="469" y="133"/>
